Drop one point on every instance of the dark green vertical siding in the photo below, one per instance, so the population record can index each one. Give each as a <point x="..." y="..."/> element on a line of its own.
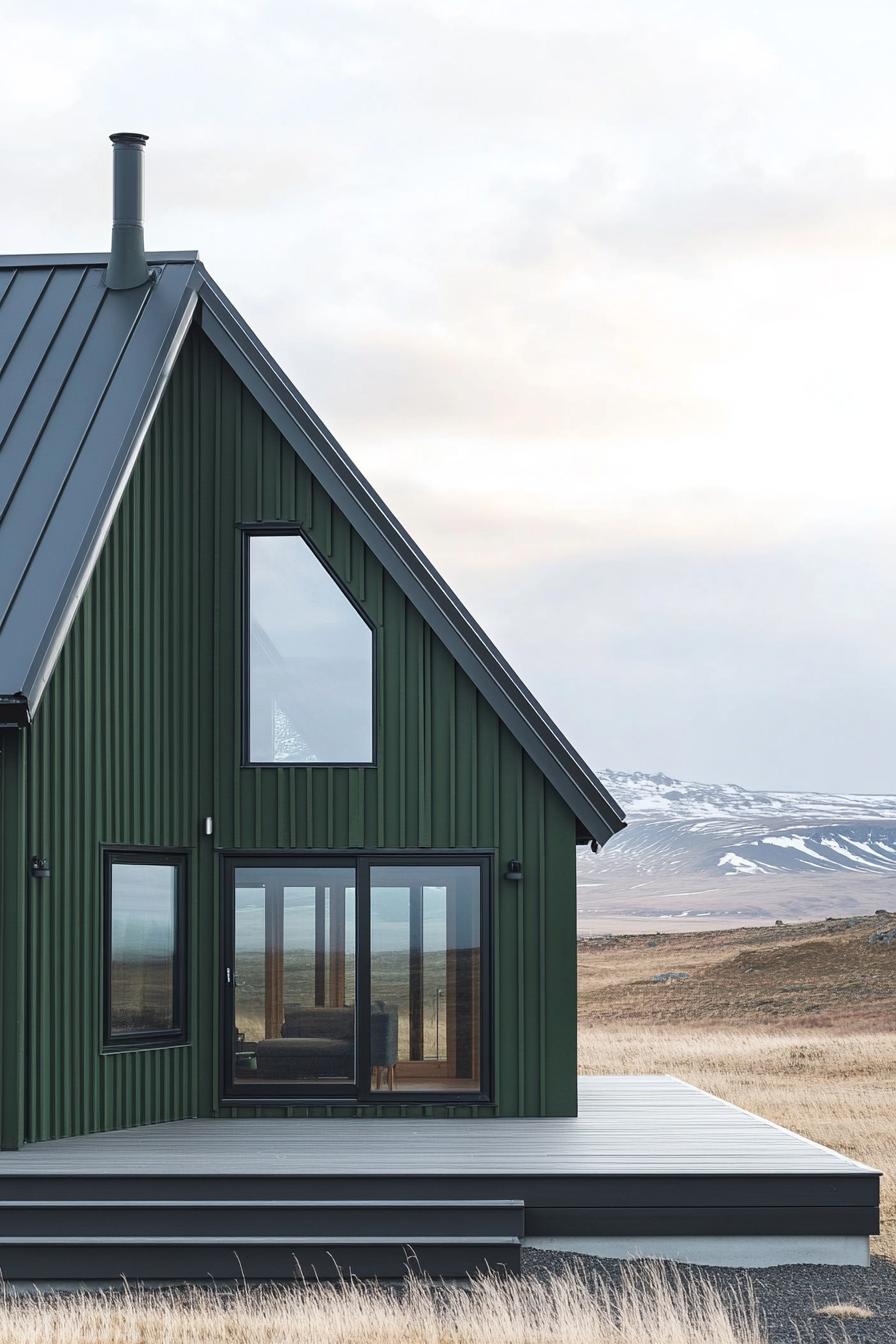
<point x="138" y="738"/>
<point x="13" y="883"/>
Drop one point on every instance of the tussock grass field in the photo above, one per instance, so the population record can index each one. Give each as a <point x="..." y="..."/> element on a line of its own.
<point x="645" y="1307"/>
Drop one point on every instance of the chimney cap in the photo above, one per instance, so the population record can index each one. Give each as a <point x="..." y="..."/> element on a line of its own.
<point x="128" y="138"/>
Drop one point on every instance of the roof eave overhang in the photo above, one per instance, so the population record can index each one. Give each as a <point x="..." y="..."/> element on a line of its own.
<point x="584" y="836"/>
<point x="14" y="711"/>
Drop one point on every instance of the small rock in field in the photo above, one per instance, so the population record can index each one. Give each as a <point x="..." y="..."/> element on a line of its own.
<point x="666" y="976"/>
<point x="778" y="923"/>
<point x="884" y="936"/>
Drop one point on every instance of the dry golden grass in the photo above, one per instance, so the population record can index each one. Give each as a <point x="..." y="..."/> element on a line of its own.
<point x="835" y="1089"/>
<point x="846" y="1311"/>
<point x="646" y="1307"/>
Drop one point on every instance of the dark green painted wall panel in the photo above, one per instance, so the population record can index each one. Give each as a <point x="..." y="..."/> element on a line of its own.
<point x="138" y="738"/>
<point x="14" y="881"/>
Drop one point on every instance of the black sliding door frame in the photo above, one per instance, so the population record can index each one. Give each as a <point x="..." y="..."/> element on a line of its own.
<point x="233" y="1092"/>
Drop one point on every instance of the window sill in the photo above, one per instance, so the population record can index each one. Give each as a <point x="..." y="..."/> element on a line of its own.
<point x="142" y="1047"/>
<point x="308" y="765"/>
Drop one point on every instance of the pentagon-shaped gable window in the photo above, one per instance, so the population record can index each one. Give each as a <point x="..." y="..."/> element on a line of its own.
<point x="310" y="660"/>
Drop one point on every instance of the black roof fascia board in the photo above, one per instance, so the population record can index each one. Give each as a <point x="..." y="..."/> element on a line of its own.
<point x="599" y="814"/>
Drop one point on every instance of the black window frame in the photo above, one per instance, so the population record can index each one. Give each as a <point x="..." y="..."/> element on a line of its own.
<point x="358" y="1093"/>
<point x="177" y="1035"/>
<point x="290" y="529"/>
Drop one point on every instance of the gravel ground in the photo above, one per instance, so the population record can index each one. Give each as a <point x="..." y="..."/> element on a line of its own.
<point x="788" y="1296"/>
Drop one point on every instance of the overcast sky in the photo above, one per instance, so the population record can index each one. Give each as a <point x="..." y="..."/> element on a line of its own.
<point x="599" y="295"/>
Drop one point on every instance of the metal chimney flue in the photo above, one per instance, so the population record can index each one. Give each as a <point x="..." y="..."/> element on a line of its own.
<point x="127" y="267"/>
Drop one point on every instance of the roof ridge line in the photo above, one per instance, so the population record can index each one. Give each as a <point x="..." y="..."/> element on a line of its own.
<point x="31" y="260"/>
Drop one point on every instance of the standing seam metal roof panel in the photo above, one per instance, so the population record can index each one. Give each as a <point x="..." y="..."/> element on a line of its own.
<point x="82" y="369"/>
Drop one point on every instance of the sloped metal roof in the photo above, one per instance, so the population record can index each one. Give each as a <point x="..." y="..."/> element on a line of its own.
<point x="82" y="369"/>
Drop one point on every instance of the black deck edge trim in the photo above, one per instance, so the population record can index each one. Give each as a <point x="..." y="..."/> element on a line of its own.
<point x="815" y="1220"/>
<point x="814" y="1191"/>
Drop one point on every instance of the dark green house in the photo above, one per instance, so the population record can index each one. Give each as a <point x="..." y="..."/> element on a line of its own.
<point x="281" y="833"/>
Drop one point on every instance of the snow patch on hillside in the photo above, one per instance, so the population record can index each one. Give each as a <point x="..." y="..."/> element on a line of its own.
<point x="723" y="836"/>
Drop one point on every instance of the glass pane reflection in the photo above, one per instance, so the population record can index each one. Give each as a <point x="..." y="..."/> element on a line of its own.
<point x="294" y="975"/>
<point x="142" y="948"/>
<point x="425" y="978"/>
<point x="310" y="659"/>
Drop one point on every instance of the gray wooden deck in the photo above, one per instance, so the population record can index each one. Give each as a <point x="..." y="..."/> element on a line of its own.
<point x="638" y="1126"/>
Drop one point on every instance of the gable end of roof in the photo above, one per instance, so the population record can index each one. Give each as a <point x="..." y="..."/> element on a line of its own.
<point x="597" y="812"/>
<point x="82" y="370"/>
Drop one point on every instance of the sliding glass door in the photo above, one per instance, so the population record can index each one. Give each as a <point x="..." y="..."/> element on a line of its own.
<point x="361" y="978"/>
<point x="425" y="978"/>
<point x="291" y="977"/>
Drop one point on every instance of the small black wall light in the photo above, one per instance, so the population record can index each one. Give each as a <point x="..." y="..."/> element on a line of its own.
<point x="514" y="871"/>
<point x="40" y="868"/>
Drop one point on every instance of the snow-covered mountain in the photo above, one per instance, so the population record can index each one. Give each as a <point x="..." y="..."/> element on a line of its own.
<point x="657" y="796"/>
<point x="689" y="849"/>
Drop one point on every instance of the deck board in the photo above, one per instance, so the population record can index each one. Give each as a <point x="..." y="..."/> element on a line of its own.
<point x="638" y="1126"/>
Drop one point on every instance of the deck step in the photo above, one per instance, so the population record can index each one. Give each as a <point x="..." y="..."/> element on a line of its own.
<point x="179" y="1258"/>
<point x="408" y="1219"/>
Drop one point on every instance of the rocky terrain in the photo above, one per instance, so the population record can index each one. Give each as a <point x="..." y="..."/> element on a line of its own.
<point x="834" y="973"/>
